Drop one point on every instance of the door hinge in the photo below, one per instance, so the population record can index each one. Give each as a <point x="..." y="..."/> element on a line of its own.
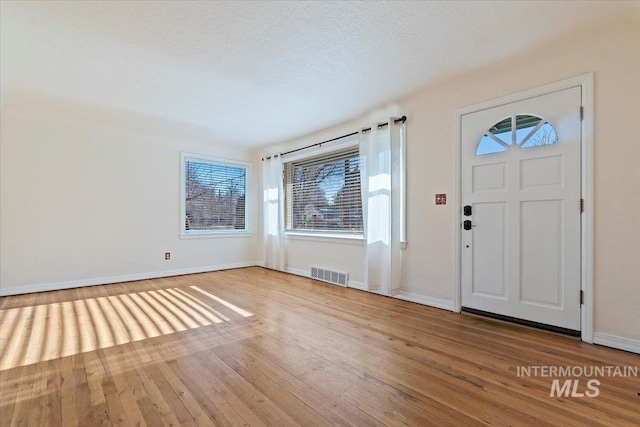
<point x="581" y="297"/>
<point x="581" y="113"/>
<point x="581" y="205"/>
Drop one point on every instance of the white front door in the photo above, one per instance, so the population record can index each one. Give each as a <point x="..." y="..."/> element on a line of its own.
<point x="521" y="192"/>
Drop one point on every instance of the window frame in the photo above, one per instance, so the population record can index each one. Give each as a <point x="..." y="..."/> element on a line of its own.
<point x="204" y="234"/>
<point x="321" y="235"/>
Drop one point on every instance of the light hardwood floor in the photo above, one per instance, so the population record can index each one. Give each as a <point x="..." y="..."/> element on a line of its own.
<point x="262" y="348"/>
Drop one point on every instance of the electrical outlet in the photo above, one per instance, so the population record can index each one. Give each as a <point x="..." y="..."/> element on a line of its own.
<point x="167" y="255"/>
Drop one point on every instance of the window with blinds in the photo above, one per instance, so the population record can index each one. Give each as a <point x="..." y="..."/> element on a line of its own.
<point x="322" y="193"/>
<point x="214" y="196"/>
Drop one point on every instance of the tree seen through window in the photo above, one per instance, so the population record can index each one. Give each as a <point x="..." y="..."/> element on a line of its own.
<point x="323" y="193"/>
<point x="215" y="196"/>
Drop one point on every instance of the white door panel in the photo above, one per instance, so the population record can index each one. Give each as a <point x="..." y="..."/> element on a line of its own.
<point x="542" y="172"/>
<point x="489" y="254"/>
<point x="492" y="176"/>
<point x="521" y="258"/>
<point x="541" y="252"/>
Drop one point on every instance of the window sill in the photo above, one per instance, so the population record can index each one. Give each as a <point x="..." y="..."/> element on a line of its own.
<point x="215" y="235"/>
<point x="346" y="239"/>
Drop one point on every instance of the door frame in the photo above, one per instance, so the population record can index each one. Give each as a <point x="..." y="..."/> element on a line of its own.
<point x="585" y="82"/>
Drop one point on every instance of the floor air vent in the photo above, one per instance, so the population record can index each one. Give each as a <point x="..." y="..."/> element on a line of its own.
<point x="335" y="277"/>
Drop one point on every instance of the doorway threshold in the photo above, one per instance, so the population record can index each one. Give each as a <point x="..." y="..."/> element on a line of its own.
<point x="528" y="323"/>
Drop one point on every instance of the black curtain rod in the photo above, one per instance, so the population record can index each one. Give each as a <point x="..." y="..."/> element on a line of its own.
<point x="318" y="144"/>
<point x="381" y="125"/>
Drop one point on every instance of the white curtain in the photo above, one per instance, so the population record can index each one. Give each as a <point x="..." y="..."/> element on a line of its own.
<point x="273" y="212"/>
<point x="382" y="153"/>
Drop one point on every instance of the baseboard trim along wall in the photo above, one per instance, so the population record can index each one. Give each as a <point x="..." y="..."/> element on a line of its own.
<point x="357" y="285"/>
<point x="43" y="287"/>
<point x="297" y="272"/>
<point x="424" y="300"/>
<point x="613" y="341"/>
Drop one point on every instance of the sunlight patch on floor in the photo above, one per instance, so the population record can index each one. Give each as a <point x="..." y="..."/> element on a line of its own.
<point x="38" y="333"/>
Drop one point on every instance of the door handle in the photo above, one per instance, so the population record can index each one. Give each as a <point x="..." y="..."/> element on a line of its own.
<point x="467" y="225"/>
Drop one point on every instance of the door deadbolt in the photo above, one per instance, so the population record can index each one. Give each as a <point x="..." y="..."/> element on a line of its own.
<point x="468" y="225"/>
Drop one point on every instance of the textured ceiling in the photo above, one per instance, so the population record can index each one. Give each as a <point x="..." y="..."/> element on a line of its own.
<point x="255" y="73"/>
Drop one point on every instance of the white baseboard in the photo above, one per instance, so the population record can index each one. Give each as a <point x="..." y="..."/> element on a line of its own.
<point x="407" y="296"/>
<point x="43" y="287"/>
<point x="362" y="287"/>
<point x="357" y="285"/>
<point x="297" y="272"/>
<point x="425" y="300"/>
<point x="621" y="343"/>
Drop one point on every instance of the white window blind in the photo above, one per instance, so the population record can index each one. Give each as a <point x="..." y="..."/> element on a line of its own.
<point x="214" y="196"/>
<point x="322" y="193"/>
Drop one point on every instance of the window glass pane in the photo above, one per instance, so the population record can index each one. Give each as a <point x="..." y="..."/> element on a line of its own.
<point x="503" y="130"/>
<point x="545" y="135"/>
<point x="214" y="196"/>
<point x="323" y="193"/>
<point x="488" y="145"/>
<point x="525" y="124"/>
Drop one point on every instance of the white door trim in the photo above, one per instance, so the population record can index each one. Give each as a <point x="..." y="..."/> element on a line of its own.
<point x="585" y="81"/>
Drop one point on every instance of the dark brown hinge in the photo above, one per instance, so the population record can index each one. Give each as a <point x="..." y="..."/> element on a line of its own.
<point x="581" y="113"/>
<point x="581" y="205"/>
<point x="581" y="297"/>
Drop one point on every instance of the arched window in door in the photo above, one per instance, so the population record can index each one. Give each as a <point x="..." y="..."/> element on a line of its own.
<point x="519" y="130"/>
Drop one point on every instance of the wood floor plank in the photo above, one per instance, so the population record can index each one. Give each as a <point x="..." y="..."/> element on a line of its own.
<point x="249" y="355"/>
<point x="154" y="408"/>
<point x="218" y="410"/>
<point x="12" y="372"/>
<point x="273" y="390"/>
<point x="169" y="395"/>
<point x="53" y="408"/>
<point x="23" y="400"/>
<point x="68" y="407"/>
<point x="183" y="394"/>
<point x="246" y="392"/>
<point x="260" y="348"/>
<point x="82" y="392"/>
<point x="220" y="392"/>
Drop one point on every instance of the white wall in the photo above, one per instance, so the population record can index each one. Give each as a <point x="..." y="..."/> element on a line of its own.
<point x="336" y="254"/>
<point x="90" y="195"/>
<point x="613" y="54"/>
